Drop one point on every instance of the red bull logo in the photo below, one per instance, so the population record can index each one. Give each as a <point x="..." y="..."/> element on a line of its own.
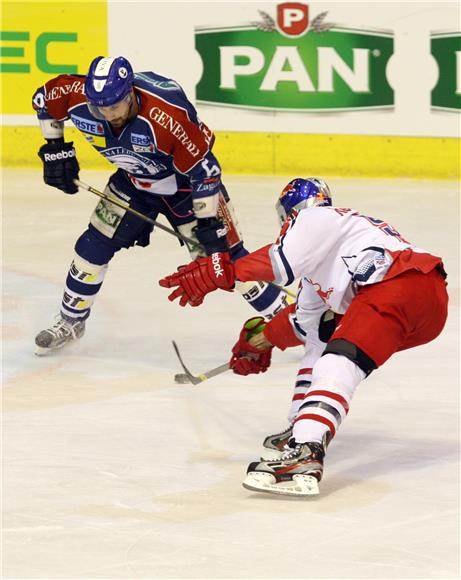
<point x="289" y="188"/>
<point x="323" y="294"/>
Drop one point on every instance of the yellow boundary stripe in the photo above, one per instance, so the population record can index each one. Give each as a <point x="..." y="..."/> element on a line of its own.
<point x="343" y="155"/>
<point x="283" y="154"/>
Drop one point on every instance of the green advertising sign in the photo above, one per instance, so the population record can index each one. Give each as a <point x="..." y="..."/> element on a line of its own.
<point x="270" y="66"/>
<point x="446" y="49"/>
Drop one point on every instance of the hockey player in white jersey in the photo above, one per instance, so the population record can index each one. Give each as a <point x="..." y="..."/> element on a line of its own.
<point x="386" y="294"/>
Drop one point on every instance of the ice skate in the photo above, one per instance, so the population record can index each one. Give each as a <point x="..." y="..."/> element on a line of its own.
<point x="297" y="473"/>
<point x="63" y="331"/>
<point x="274" y="445"/>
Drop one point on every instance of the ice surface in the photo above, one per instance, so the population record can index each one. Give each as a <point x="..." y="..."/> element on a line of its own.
<point x="111" y="470"/>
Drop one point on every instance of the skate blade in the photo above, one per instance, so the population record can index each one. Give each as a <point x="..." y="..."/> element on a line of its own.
<point x="300" y="486"/>
<point x="46" y="350"/>
<point x="43" y="351"/>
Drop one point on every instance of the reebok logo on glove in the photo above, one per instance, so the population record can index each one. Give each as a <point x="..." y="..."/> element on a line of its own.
<point x="199" y="278"/>
<point x="60" y="165"/>
<point x="60" y="155"/>
<point x="216" y="262"/>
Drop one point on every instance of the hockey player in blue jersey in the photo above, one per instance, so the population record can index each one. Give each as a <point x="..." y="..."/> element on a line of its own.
<point x="144" y="124"/>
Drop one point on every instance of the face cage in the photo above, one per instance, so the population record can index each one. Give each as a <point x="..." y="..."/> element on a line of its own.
<point x="96" y="112"/>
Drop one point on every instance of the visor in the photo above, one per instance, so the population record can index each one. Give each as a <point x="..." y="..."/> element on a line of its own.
<point x="97" y="111"/>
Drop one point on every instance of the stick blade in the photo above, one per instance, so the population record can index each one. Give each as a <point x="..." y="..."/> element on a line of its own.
<point x="190" y="376"/>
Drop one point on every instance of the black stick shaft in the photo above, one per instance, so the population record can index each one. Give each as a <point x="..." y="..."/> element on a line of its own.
<point x="186" y="239"/>
<point x="137" y="213"/>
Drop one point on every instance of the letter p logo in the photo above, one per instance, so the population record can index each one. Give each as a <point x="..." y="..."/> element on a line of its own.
<point x="292" y="18"/>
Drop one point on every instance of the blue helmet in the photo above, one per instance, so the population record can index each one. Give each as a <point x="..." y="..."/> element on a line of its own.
<point x="301" y="193"/>
<point x="109" y="80"/>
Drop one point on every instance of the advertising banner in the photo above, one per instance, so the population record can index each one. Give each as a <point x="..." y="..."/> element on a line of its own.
<point x="446" y="49"/>
<point x="295" y="62"/>
<point x="40" y="40"/>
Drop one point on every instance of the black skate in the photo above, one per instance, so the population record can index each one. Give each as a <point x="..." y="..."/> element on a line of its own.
<point x="296" y="473"/>
<point x="276" y="444"/>
<point x="63" y="331"/>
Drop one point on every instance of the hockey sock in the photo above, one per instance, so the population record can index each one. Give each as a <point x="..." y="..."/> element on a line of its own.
<point x="314" y="350"/>
<point x="327" y="400"/>
<point x="82" y="285"/>
<point x="303" y="382"/>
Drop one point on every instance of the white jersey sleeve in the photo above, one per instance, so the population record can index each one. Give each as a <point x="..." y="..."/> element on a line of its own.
<point x="309" y="309"/>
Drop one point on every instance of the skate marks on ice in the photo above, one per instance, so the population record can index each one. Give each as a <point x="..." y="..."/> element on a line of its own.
<point x="340" y="494"/>
<point x="99" y="367"/>
<point x="361" y="484"/>
<point x="46" y="388"/>
<point x="202" y="504"/>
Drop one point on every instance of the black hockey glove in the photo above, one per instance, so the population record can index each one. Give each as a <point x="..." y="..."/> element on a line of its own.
<point x="211" y="233"/>
<point x="60" y="165"/>
<point x="327" y="325"/>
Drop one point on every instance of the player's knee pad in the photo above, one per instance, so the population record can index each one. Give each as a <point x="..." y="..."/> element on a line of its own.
<point x="107" y="216"/>
<point x="117" y="225"/>
<point x="355" y="354"/>
<point x="95" y="249"/>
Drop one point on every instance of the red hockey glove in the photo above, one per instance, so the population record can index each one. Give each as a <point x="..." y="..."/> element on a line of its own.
<point x="199" y="278"/>
<point x="246" y="359"/>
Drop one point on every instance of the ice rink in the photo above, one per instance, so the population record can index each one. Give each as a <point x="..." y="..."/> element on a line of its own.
<point x="111" y="470"/>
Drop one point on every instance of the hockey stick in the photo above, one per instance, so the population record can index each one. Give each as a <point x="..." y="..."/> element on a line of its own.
<point x="188" y="377"/>
<point x="135" y="212"/>
<point x="158" y="225"/>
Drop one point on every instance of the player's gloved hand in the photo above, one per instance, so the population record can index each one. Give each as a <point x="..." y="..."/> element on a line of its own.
<point x="60" y="165"/>
<point x="247" y="358"/>
<point x="327" y="325"/>
<point x="212" y="234"/>
<point x="199" y="278"/>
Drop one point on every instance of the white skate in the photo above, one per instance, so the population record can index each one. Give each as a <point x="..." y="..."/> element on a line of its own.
<point x="297" y="473"/>
<point x="63" y="331"/>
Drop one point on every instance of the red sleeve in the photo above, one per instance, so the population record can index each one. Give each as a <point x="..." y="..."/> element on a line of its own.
<point x="279" y="330"/>
<point x="62" y="93"/>
<point x="255" y="266"/>
<point x="175" y="133"/>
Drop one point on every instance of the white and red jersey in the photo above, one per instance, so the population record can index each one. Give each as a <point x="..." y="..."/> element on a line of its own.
<point x="333" y="251"/>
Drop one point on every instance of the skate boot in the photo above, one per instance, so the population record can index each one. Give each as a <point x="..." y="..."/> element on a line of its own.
<point x="296" y="473"/>
<point x="274" y="445"/>
<point x="64" y="330"/>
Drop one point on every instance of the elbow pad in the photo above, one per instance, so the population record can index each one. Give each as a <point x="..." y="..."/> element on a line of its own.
<point x="52" y="129"/>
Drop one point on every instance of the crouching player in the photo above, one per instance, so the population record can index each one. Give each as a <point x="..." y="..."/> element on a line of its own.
<point x="390" y="295"/>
